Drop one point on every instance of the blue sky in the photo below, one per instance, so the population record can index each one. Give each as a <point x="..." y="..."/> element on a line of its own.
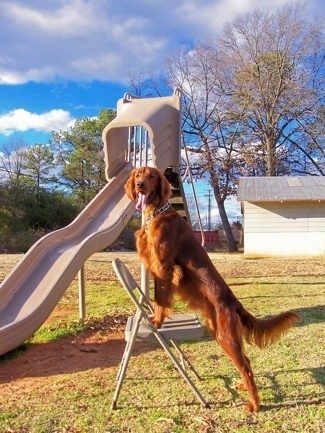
<point x="65" y="59"/>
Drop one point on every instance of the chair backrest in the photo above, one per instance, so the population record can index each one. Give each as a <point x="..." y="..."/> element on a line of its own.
<point x="124" y="275"/>
<point x="131" y="286"/>
<point x="175" y="327"/>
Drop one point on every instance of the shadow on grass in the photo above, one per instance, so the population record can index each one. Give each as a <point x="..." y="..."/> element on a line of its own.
<point x="290" y="404"/>
<point x="282" y="401"/>
<point x="308" y="315"/>
<point x="280" y="398"/>
<point x="236" y="398"/>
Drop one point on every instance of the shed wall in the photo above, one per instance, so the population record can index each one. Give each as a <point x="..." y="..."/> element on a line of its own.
<point x="288" y="228"/>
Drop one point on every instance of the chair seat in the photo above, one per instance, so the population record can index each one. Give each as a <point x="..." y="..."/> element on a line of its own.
<point x="175" y="327"/>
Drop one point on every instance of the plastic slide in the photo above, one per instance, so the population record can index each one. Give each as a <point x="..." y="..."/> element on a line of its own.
<point x="30" y="292"/>
<point x="33" y="288"/>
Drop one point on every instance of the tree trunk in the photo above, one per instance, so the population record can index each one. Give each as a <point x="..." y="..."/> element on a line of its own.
<point x="232" y="246"/>
<point x="270" y="157"/>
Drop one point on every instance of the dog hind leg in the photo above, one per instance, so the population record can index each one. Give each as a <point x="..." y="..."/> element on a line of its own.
<point x="230" y="340"/>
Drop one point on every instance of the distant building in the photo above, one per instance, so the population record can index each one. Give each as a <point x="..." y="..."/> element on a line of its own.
<point x="283" y="215"/>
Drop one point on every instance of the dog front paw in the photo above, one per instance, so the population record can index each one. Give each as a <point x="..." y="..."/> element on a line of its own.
<point x="156" y="321"/>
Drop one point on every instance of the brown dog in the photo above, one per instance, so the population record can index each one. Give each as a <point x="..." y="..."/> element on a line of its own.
<point x="179" y="264"/>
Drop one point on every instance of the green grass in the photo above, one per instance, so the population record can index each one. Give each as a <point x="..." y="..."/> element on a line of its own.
<point x="101" y="300"/>
<point x="290" y="374"/>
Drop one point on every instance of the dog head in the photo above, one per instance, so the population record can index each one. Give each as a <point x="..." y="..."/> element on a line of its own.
<point x="148" y="188"/>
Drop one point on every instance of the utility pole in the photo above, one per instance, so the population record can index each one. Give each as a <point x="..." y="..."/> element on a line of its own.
<point x="209" y="208"/>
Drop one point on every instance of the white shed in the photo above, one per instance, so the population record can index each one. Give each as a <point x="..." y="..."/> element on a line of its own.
<point x="283" y="215"/>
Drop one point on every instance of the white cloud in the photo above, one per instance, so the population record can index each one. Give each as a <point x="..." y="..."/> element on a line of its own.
<point x="19" y="77"/>
<point x="22" y="120"/>
<point x="73" y="17"/>
<point x="105" y="39"/>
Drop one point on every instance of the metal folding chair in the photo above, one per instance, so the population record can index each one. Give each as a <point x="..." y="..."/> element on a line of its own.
<point x="141" y="327"/>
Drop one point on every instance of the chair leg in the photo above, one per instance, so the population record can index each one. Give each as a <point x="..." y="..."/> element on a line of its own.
<point x="126" y="354"/>
<point x="180" y="368"/>
<point x="184" y="359"/>
<point x="125" y="362"/>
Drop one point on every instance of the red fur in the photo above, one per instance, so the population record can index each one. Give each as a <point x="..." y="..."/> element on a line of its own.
<point x="179" y="264"/>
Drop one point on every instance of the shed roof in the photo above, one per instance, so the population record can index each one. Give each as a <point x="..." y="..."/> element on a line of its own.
<point x="281" y="188"/>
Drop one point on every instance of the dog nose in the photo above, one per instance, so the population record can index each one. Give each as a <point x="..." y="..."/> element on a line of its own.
<point x="140" y="184"/>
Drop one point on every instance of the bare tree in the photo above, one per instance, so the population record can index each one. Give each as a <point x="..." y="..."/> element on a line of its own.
<point x="12" y="161"/>
<point x="207" y="127"/>
<point x="277" y="84"/>
<point x="254" y="99"/>
<point x="147" y="85"/>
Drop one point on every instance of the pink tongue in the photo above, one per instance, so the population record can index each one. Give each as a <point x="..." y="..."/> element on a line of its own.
<point x="142" y="202"/>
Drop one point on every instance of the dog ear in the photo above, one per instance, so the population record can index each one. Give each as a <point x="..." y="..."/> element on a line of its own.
<point x="165" y="190"/>
<point x="130" y="186"/>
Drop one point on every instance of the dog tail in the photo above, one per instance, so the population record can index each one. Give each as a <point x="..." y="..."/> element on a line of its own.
<point x="263" y="332"/>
